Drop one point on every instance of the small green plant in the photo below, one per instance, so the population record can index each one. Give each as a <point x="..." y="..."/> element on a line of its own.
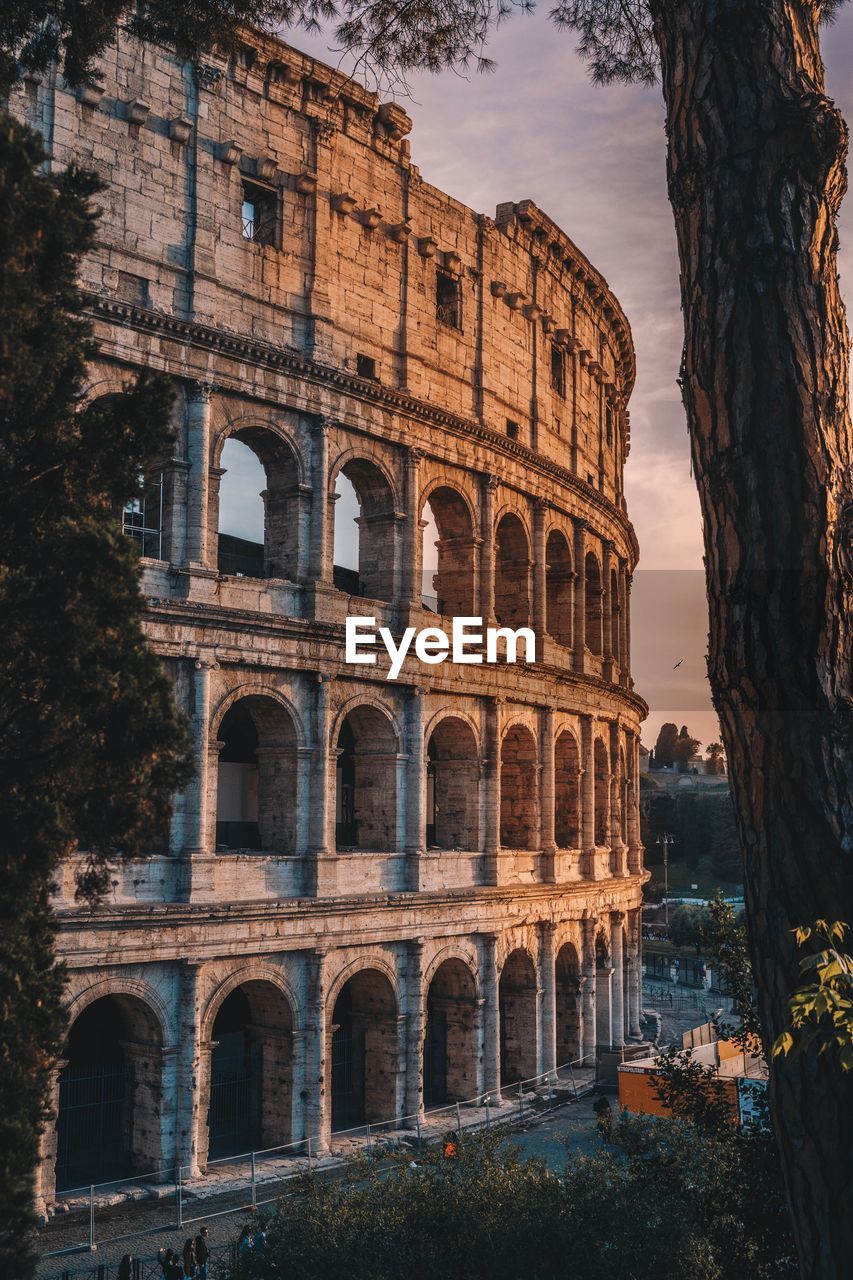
<point x="822" y="1009"/>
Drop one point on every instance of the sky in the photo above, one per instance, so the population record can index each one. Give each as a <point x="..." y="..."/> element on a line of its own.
<point x="593" y="158"/>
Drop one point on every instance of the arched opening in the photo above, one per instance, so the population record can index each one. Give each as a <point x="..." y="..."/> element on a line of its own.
<point x="364" y="1052"/>
<point x="110" y="1087"/>
<point x="602" y="793"/>
<point x="256" y="782"/>
<point x="259" y="516"/>
<point x="558" y="588"/>
<point x="365" y="536"/>
<point x="512" y="573"/>
<point x="450" y="1041"/>
<point x="517" y="1000"/>
<point x="569" y="1026"/>
<point x="593" y="605"/>
<point x="145" y="516"/>
<point x="614" y="620"/>
<point x="251" y="1071"/>
<point x="453" y="785"/>
<point x="366" y="782"/>
<point x="567" y="781"/>
<point x="519" y="828"/>
<point x="448" y="554"/>
<point x="603" y="993"/>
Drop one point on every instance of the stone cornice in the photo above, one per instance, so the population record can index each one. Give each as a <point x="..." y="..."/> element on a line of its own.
<point x="288" y="360"/>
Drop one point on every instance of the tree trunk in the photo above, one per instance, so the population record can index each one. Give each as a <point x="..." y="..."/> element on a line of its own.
<point x="756" y="176"/>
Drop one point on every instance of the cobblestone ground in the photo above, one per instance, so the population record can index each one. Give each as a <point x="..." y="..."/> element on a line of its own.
<point x="142" y="1227"/>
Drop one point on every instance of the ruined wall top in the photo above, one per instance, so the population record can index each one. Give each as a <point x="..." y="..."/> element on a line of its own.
<point x="270" y="195"/>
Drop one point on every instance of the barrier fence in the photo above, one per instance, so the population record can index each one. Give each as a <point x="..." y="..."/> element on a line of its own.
<point x="254" y="1179"/>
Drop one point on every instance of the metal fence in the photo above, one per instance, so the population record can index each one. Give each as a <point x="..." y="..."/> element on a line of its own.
<point x="168" y="1199"/>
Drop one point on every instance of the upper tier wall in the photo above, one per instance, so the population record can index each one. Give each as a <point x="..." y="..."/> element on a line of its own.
<point x="358" y="243"/>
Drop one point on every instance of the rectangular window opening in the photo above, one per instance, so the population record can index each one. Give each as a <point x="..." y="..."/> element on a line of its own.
<point x="259" y="213"/>
<point x="142" y="518"/>
<point x="558" y="370"/>
<point x="365" y="367"/>
<point x="448" y="299"/>
<point x="512" y="429"/>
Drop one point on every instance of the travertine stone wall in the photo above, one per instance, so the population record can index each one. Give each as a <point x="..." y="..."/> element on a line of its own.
<point x="447" y="861"/>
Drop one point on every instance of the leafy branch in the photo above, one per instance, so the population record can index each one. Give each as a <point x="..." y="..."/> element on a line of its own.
<point x="821" y="1010"/>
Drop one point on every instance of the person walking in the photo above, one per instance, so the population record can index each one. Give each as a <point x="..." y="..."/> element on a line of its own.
<point x="125" y="1268"/>
<point x="202" y="1253"/>
<point x="190" y="1263"/>
<point x="604" y="1117"/>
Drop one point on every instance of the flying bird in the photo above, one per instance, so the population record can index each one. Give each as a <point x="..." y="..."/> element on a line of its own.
<point x="678" y="664"/>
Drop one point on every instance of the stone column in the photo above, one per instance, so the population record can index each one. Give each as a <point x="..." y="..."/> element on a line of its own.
<point x="540" y="589"/>
<point x="414" y="1099"/>
<point x="607" y="668"/>
<point x="412" y="578"/>
<point x="197" y="817"/>
<point x="635" y="976"/>
<point x="588" y="845"/>
<point x="320" y="863"/>
<point x="626" y="660"/>
<point x="548" y="843"/>
<point x="318" y="1112"/>
<point x="617" y="782"/>
<point x="492" y="792"/>
<point x="189" y="1141"/>
<point x="547" y="984"/>
<point x="415" y="790"/>
<point x="635" y="846"/>
<point x="198" y="480"/>
<point x="487" y="551"/>
<point x="298" y="1129"/>
<point x="588" y="984"/>
<point x="579" y="636"/>
<point x="491" y="1018"/>
<point x="318" y="537"/>
<point x="617" y="990"/>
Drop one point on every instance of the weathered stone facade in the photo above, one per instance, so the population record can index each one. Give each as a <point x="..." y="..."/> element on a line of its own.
<point x="423" y="888"/>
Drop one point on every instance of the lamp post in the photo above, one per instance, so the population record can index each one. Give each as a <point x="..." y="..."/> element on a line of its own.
<point x="665" y="841"/>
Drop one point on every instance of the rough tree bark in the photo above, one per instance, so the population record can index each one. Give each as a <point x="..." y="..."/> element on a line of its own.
<point x="756" y="175"/>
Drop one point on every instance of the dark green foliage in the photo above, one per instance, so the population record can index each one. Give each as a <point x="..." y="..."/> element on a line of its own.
<point x="668" y="1198"/>
<point x="686" y="925"/>
<point x="665" y="746"/>
<point x="90" y="744"/>
<point x="701" y="822"/>
<point x="725" y="941"/>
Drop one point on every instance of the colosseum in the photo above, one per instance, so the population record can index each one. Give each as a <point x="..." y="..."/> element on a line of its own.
<point x="377" y="896"/>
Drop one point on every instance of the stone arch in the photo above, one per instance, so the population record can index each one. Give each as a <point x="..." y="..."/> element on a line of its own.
<point x="367" y="744"/>
<point x="450" y="1034"/>
<point x="558" y="588"/>
<point x="517" y="1011"/>
<point x="567" y="788"/>
<point x="519" y="816"/>
<point x="256" y="688"/>
<point x="110" y="1088"/>
<point x="257" y="776"/>
<point x="594" y="602"/>
<point x="512" y="572"/>
<point x="249" y="1095"/>
<point x="451" y="583"/>
<point x="255" y="971"/>
<point x="282" y="505"/>
<point x="601" y="783"/>
<point x="567" y="979"/>
<point x="453" y="784"/>
<point x="364" y="1045"/>
<point x="373" y="555"/>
